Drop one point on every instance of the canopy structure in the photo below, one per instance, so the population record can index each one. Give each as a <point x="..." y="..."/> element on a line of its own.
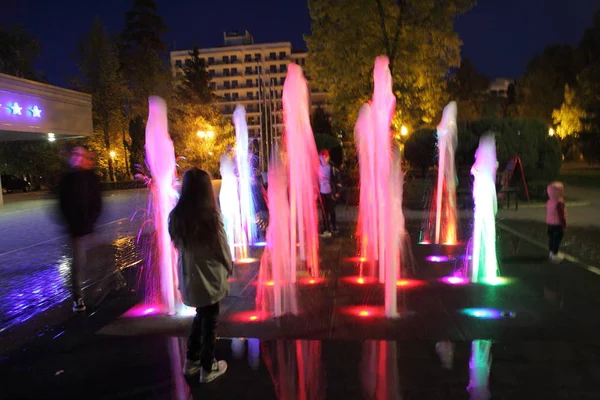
<point x="36" y="111"/>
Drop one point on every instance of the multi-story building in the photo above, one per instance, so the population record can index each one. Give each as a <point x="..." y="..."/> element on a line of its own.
<point x="499" y="87"/>
<point x="251" y="74"/>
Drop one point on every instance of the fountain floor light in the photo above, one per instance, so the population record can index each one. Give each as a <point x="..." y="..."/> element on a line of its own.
<point x="249" y="316"/>
<point x="438" y="258"/>
<point x="455" y="280"/>
<point x="364" y="311"/>
<point x="245" y="261"/>
<point x="147" y="310"/>
<point x="311" y="281"/>
<point x="409" y="283"/>
<point x="360" y="280"/>
<point x="486" y="313"/>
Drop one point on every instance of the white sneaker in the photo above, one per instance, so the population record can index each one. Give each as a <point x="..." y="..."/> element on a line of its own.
<point x="325" y="234"/>
<point x="218" y="369"/>
<point x="191" y="367"/>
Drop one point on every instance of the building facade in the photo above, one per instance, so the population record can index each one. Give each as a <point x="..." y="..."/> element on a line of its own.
<point x="251" y="74"/>
<point x="499" y="87"/>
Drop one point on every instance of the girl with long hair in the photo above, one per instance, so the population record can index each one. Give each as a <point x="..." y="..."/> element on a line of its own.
<point x="204" y="264"/>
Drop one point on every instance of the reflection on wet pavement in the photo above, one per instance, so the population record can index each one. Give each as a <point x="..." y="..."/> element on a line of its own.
<point x="36" y="279"/>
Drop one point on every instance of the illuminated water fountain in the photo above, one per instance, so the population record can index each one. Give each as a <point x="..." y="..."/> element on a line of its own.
<point x="442" y="221"/>
<point x="381" y="221"/>
<point x="229" y="199"/>
<point x="484" y="263"/>
<point x="247" y="212"/>
<point x="303" y="171"/>
<point x="276" y="264"/>
<point x="160" y="157"/>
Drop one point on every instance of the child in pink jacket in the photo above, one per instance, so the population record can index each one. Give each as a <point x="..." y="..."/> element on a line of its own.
<point x="556" y="218"/>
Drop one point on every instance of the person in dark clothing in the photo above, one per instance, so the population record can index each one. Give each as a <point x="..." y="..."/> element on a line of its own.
<point x="80" y="205"/>
<point x="329" y="186"/>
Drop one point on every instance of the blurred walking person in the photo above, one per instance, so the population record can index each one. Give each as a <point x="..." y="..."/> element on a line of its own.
<point x="80" y="204"/>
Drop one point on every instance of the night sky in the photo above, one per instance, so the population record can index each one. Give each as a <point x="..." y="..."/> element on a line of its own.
<point x="499" y="36"/>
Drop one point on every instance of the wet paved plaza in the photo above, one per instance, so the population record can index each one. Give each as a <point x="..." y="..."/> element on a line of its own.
<point x="543" y="329"/>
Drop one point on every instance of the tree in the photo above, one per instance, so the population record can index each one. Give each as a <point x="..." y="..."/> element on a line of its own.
<point x="18" y="51"/>
<point x="141" y="49"/>
<point x="420" y="150"/>
<point x="416" y="35"/>
<point x="321" y="122"/>
<point x="98" y="61"/>
<point x="569" y="116"/>
<point x="470" y="90"/>
<point x="541" y="90"/>
<point x="195" y="83"/>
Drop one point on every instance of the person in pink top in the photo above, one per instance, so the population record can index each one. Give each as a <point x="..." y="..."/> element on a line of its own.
<point x="556" y="218"/>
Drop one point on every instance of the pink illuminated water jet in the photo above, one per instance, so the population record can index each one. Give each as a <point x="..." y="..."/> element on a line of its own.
<point x="381" y="221"/>
<point x="303" y="169"/>
<point x="276" y="263"/>
<point x="160" y="157"/>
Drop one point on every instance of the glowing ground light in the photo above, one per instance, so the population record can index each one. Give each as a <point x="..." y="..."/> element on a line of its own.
<point x="408" y="283"/>
<point x="437" y="259"/>
<point x="424" y="242"/>
<point x="364" y="311"/>
<point x="359" y="280"/>
<point x="482" y="313"/>
<point x="355" y="259"/>
<point x="249" y="316"/>
<point x="496" y="281"/>
<point x="144" y="310"/>
<point x="245" y="261"/>
<point x="311" y="281"/>
<point x="455" y="280"/>
<point x="270" y="283"/>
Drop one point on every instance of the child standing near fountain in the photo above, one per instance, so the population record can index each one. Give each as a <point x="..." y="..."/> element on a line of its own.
<point x="556" y="218"/>
<point x="329" y="184"/>
<point x="203" y="266"/>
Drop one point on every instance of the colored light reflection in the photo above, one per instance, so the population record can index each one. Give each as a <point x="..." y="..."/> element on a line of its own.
<point x="455" y="280"/>
<point x="408" y="283"/>
<point x="249" y="316"/>
<point x="424" y="242"/>
<point x="259" y="244"/>
<point x="437" y="258"/>
<point x="482" y="313"/>
<point x="245" y="261"/>
<point x="360" y="280"/>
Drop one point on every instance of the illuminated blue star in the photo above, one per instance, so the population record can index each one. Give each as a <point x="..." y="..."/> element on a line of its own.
<point x="16" y="110"/>
<point x="36" y="112"/>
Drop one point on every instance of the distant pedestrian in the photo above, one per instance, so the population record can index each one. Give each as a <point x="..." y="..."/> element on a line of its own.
<point x="204" y="264"/>
<point x="329" y="185"/>
<point x="556" y="218"/>
<point x="80" y="204"/>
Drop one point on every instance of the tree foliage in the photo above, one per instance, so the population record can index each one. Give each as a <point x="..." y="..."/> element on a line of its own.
<point x="541" y="90"/>
<point x="470" y="90"/>
<point x="416" y="35"/>
<point x="195" y="83"/>
<point x="100" y="75"/>
<point x="320" y="120"/>
<point x="18" y="52"/>
<point x="140" y="50"/>
<point x="568" y="118"/>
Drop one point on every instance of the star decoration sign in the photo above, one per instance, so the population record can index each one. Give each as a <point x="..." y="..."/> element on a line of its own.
<point x="36" y="112"/>
<point x="16" y="109"/>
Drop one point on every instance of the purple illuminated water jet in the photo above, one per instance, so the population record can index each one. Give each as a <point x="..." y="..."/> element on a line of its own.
<point x="247" y="211"/>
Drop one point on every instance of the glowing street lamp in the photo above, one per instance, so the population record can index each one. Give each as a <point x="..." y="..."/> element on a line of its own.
<point x="112" y="154"/>
<point x="551" y="132"/>
<point x="403" y="130"/>
<point x="205" y="134"/>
